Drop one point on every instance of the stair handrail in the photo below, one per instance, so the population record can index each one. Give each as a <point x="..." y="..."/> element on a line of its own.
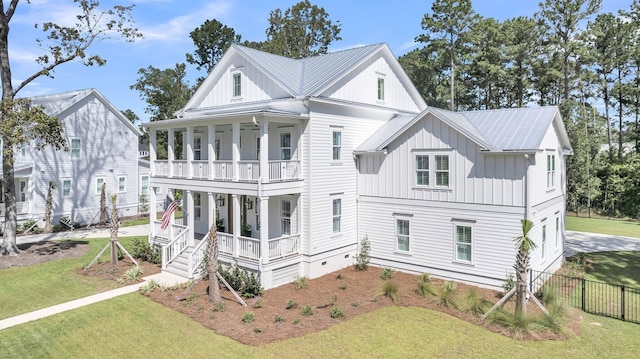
<point x="180" y="246"/>
<point x="197" y="256"/>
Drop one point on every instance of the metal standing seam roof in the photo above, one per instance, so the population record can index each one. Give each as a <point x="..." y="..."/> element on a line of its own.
<point x="303" y="77"/>
<point x="516" y="129"/>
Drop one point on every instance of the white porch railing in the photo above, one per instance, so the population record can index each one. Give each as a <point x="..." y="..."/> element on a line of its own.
<point x="225" y="243"/>
<point x="157" y="231"/>
<point x="180" y="168"/>
<point x="249" y="171"/>
<point x="283" y="170"/>
<point x="249" y="247"/>
<point x="200" y="169"/>
<point x="223" y="170"/>
<point x="161" y="168"/>
<point x="284" y="246"/>
<point x="197" y="257"/>
<point x="175" y="247"/>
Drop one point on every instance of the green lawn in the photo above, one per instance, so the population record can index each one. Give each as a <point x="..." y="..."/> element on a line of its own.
<point x="133" y="326"/>
<point x="616" y="267"/>
<point x="603" y="226"/>
<point x="24" y="289"/>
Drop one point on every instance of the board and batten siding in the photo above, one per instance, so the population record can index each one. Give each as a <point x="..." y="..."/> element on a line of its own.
<point x="256" y="86"/>
<point x="432" y="237"/>
<point x="540" y="192"/>
<point x="328" y="179"/>
<point x="109" y="148"/>
<point x="475" y="177"/>
<point x="361" y="85"/>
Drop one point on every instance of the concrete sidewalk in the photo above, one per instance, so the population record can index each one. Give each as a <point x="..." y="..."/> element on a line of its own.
<point x="163" y="278"/>
<point x="82" y="233"/>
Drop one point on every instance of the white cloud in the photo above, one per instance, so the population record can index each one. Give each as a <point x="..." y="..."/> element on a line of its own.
<point x="23" y="56"/>
<point x="178" y="28"/>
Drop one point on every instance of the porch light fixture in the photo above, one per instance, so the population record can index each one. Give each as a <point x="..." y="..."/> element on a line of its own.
<point x="249" y="203"/>
<point x="220" y="200"/>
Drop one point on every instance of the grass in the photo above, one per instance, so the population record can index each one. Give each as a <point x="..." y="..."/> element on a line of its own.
<point x="25" y="289"/>
<point x="624" y="228"/>
<point x="133" y="326"/>
<point x="616" y="267"/>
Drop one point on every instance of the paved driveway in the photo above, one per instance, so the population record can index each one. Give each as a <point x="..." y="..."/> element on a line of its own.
<point x="593" y="242"/>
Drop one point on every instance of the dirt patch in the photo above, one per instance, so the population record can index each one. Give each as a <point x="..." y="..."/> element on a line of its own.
<point x="40" y="252"/>
<point x="353" y="292"/>
<point x="116" y="272"/>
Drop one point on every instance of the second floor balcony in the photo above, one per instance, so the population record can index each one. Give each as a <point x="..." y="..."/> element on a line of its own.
<point x="244" y="171"/>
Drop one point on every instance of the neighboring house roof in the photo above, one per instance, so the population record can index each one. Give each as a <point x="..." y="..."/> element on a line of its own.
<point x="56" y="104"/>
<point x="307" y="77"/>
<point x="513" y="129"/>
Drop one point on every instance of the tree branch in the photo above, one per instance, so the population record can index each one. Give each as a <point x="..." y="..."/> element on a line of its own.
<point x="11" y="10"/>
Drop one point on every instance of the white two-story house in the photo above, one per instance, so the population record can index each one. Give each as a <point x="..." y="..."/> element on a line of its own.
<point x="103" y="148"/>
<point x="298" y="160"/>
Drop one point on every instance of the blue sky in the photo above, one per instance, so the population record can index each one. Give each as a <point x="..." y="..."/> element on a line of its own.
<point x="166" y="24"/>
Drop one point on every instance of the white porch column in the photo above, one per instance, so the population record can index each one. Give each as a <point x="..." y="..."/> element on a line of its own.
<point x="264" y="229"/>
<point x="236" y="148"/>
<point x="153" y="199"/>
<point x="236" y="224"/>
<point x="211" y="150"/>
<point x="264" y="151"/>
<point x="189" y="220"/>
<point x="170" y="154"/>
<point x="189" y="148"/>
<point x="153" y="138"/>
<point x="299" y="150"/>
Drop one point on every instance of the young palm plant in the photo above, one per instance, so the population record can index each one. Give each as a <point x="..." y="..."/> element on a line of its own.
<point x="525" y="245"/>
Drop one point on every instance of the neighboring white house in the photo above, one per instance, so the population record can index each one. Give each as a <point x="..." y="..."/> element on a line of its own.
<point x="103" y="148"/>
<point x="314" y="154"/>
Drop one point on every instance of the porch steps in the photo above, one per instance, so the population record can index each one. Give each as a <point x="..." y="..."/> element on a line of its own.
<point x="180" y="265"/>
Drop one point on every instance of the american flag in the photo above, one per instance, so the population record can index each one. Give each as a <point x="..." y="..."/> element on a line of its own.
<point x="170" y="205"/>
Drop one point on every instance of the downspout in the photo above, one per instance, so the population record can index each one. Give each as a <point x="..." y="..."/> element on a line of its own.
<point x="526" y="187"/>
<point x="355" y="157"/>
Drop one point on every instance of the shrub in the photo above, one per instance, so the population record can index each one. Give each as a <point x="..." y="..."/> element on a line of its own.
<point x="473" y="303"/>
<point x="387" y="273"/>
<point x="133" y="273"/>
<point x="290" y="304"/>
<point x="509" y="282"/>
<point x="336" y="312"/>
<point x="364" y="254"/>
<point x="248" y="317"/>
<point x="244" y="282"/>
<point x="149" y="287"/>
<point x="556" y="318"/>
<point x="342" y="287"/>
<point x="300" y="282"/>
<point x="390" y="289"/>
<point x="518" y="325"/>
<point x="425" y="287"/>
<point x="306" y="311"/>
<point x="232" y="274"/>
<point x="424" y="277"/>
<point x="447" y="293"/>
<point x="549" y="295"/>
<point x="258" y="303"/>
<point x="257" y="330"/>
<point x="218" y="307"/>
<point x="27" y="226"/>
<point x="141" y="249"/>
<point x="297" y="321"/>
<point x="339" y="276"/>
<point x="278" y="319"/>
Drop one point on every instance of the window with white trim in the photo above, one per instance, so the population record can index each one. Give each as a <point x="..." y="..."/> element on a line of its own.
<point x="257" y="148"/>
<point x="75" y="148"/>
<point x="144" y="184"/>
<point x="285" y="217"/>
<point x="285" y="146"/>
<point x="543" y="247"/>
<point x="403" y="235"/>
<point x="216" y="147"/>
<point x="23" y="149"/>
<point x="422" y="170"/>
<point x="464" y="243"/>
<point x="551" y="170"/>
<point x="237" y="84"/>
<point x="122" y="183"/>
<point x="337" y="145"/>
<point x="257" y="214"/>
<point x="337" y="215"/>
<point x="99" y="183"/>
<point x="197" y="206"/>
<point x="380" y="88"/>
<point x="432" y="170"/>
<point x="197" y="148"/>
<point x="23" y="191"/>
<point x="66" y="187"/>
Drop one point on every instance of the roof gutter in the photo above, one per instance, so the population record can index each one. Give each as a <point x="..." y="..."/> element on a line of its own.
<point x="377" y="152"/>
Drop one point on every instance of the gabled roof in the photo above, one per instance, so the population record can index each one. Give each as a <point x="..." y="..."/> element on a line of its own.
<point x="514" y="129"/>
<point x="307" y="77"/>
<point x="55" y="104"/>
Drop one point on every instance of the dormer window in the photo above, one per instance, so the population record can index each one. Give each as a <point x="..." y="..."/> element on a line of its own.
<point x="237" y="84"/>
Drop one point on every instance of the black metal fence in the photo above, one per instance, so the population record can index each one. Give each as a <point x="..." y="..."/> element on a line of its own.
<point x="605" y="299"/>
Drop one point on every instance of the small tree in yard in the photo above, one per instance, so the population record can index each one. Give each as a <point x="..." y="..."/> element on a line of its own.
<point x="212" y="264"/>
<point x="103" y="203"/>
<point x="48" y="208"/>
<point x="363" y="257"/>
<point x="113" y="229"/>
<point x="525" y="245"/>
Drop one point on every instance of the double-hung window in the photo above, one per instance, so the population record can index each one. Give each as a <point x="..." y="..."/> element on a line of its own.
<point x="197" y="149"/>
<point x="122" y="183"/>
<point x="432" y="170"/>
<point x="422" y="170"/>
<point x="285" y="217"/>
<point x="197" y="206"/>
<point x="337" y="215"/>
<point x="75" y="148"/>
<point x="380" y="89"/>
<point x="237" y="84"/>
<point x="464" y="243"/>
<point x="66" y="187"/>
<point x="285" y="146"/>
<point x="144" y="184"/>
<point x="543" y="247"/>
<point x="551" y="170"/>
<point x="403" y="235"/>
<point x="337" y="145"/>
<point x="99" y="183"/>
<point x="442" y="170"/>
